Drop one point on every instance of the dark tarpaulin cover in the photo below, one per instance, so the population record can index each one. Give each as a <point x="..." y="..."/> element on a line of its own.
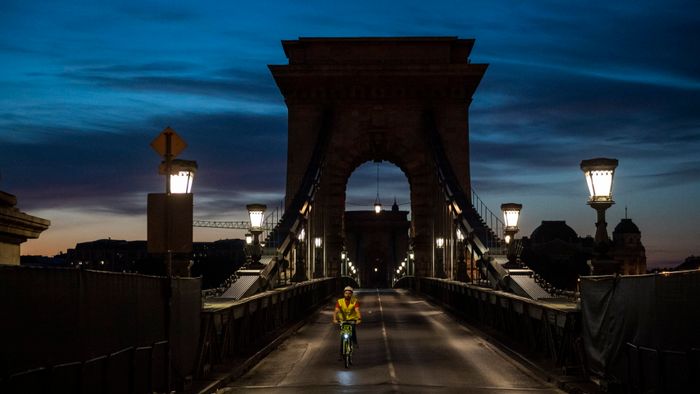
<point x="50" y="316"/>
<point x="658" y="311"/>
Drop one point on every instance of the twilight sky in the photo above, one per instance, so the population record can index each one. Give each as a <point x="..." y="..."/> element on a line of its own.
<point x="85" y="86"/>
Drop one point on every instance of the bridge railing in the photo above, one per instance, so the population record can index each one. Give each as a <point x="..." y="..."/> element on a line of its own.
<point x="547" y="328"/>
<point x="236" y="329"/>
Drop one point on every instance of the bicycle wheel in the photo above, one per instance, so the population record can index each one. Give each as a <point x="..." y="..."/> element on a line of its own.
<point x="347" y="349"/>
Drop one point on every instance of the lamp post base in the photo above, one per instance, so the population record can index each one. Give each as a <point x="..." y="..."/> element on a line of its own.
<point x="299" y="277"/>
<point x="299" y="271"/>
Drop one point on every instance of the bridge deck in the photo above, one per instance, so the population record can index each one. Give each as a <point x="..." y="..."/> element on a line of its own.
<point x="406" y="345"/>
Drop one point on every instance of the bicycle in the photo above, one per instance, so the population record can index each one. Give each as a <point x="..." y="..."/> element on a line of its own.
<point x="346" y="341"/>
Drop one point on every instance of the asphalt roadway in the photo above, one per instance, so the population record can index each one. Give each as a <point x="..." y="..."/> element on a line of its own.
<point x="406" y="344"/>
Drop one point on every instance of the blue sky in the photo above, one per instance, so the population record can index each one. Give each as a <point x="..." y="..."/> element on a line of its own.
<point x="85" y="86"/>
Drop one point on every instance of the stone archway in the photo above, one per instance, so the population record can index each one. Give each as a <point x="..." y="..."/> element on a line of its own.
<point x="374" y="94"/>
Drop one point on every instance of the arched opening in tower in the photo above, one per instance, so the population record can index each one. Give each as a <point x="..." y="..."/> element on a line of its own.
<point x="376" y="223"/>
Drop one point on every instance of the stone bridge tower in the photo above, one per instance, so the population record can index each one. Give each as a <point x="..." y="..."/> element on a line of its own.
<point x="377" y="97"/>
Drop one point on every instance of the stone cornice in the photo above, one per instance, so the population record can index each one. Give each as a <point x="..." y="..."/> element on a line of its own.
<point x="16" y="224"/>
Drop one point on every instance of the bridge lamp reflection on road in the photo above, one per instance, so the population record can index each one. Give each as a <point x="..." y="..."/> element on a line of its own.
<point x="440" y="242"/>
<point x="318" y="242"/>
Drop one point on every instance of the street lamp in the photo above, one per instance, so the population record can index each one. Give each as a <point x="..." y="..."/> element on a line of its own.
<point x="599" y="175"/>
<point x="377" y="203"/>
<point x="511" y="215"/>
<point x="181" y="175"/>
<point x="439" y="268"/>
<point x="318" y="271"/>
<point x="257" y="215"/>
<point x="461" y="260"/>
<point x="300" y="270"/>
<point x="343" y="262"/>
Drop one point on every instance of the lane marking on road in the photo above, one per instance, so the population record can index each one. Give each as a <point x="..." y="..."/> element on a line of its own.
<point x="392" y="370"/>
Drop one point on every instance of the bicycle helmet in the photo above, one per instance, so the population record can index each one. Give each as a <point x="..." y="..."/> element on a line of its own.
<point x="348" y="288"/>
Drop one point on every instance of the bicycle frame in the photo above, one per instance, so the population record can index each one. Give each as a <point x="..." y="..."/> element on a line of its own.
<point x="346" y="340"/>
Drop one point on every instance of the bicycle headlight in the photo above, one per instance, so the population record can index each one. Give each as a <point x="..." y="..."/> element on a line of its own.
<point x="346" y="336"/>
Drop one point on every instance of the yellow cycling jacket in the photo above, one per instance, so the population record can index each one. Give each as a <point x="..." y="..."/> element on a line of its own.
<point x="348" y="312"/>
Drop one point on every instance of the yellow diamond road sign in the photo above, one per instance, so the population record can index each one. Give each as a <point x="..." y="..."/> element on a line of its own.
<point x="177" y="144"/>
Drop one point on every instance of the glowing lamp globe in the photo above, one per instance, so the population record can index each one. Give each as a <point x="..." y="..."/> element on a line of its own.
<point x="181" y="175"/>
<point x="440" y="242"/>
<point x="511" y="214"/>
<point x="257" y="215"/>
<point x="599" y="175"/>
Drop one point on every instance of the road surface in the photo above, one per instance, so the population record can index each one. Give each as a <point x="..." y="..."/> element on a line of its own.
<point x="406" y="346"/>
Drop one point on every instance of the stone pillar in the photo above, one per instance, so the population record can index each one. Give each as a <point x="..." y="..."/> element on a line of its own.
<point x="15" y="228"/>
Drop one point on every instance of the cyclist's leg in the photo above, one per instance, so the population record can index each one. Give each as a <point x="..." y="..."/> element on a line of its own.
<point x="354" y="335"/>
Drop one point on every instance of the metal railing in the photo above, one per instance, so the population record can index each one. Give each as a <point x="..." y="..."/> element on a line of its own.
<point x="231" y="329"/>
<point x="551" y="330"/>
<point x="490" y="219"/>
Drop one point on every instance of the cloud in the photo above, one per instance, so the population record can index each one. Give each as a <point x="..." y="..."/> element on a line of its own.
<point x="258" y="87"/>
<point x="237" y="153"/>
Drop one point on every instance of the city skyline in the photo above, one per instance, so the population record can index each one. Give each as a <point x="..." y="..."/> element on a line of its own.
<point x="87" y="86"/>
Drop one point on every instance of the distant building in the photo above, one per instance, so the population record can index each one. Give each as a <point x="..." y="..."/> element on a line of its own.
<point x="560" y="256"/>
<point x="107" y="255"/>
<point x="690" y="263"/>
<point x="376" y="243"/>
<point x="627" y="248"/>
<point x="213" y="261"/>
<point x="557" y="253"/>
<point x="216" y="261"/>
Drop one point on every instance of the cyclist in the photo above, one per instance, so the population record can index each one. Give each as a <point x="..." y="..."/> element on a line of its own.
<point x="348" y="308"/>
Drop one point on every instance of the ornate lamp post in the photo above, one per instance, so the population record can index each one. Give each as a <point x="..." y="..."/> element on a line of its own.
<point x="411" y="261"/>
<point x="439" y="260"/>
<point x="461" y="262"/>
<point x="343" y="262"/>
<point x="257" y="215"/>
<point x="377" y="203"/>
<point x="300" y="269"/>
<point x="318" y="266"/>
<point x="511" y="215"/>
<point x="599" y="175"/>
